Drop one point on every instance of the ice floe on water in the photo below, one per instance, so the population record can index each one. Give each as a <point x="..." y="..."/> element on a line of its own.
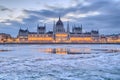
<point x="60" y="62"/>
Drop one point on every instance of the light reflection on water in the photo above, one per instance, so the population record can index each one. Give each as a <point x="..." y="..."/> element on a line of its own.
<point x="60" y="49"/>
<point x="66" y="50"/>
<point x="79" y="49"/>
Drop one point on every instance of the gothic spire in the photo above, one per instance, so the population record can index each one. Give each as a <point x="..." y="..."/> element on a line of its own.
<point x="68" y="27"/>
<point x="54" y="26"/>
<point x="81" y="25"/>
<point x="59" y="17"/>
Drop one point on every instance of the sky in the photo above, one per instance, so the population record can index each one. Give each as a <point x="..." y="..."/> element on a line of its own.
<point x="102" y="15"/>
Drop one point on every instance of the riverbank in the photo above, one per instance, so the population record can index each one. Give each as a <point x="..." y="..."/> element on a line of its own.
<point x="57" y="43"/>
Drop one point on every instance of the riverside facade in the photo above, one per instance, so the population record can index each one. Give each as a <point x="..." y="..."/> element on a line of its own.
<point x="60" y="35"/>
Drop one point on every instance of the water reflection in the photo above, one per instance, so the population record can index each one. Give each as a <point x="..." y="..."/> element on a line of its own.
<point x="66" y="50"/>
<point x="3" y="50"/>
<point x="108" y="50"/>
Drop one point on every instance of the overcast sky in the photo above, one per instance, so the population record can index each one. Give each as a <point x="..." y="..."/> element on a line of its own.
<point x="102" y="15"/>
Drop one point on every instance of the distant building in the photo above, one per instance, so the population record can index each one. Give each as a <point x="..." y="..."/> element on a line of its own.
<point x="23" y="35"/>
<point x="4" y="37"/>
<point x="113" y="38"/>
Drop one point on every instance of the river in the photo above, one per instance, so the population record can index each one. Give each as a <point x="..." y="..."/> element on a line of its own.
<point x="60" y="62"/>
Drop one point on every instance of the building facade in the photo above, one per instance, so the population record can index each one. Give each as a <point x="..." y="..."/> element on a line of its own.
<point x="4" y="37"/>
<point x="58" y="35"/>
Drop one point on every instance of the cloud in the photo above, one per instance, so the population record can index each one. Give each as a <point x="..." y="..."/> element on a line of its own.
<point x="93" y="14"/>
<point x="15" y="15"/>
<point x="2" y="8"/>
<point x="6" y="22"/>
<point x="79" y="15"/>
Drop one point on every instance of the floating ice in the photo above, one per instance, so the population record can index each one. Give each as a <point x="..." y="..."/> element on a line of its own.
<point x="41" y="62"/>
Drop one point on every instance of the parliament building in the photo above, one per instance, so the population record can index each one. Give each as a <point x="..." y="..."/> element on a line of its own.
<point x="58" y="35"/>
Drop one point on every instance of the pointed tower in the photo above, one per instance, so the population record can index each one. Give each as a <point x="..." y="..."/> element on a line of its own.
<point x="54" y="27"/>
<point x="45" y="27"/>
<point x="72" y="28"/>
<point x="19" y="31"/>
<point x="59" y="17"/>
<point x="81" y="28"/>
<point x="27" y="30"/>
<point x="81" y="25"/>
<point x="37" y="28"/>
<point x="68" y="29"/>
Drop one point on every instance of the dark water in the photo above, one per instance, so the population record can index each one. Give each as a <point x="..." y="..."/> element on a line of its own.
<point x="60" y="62"/>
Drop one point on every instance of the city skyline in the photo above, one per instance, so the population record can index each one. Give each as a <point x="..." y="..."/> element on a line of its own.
<point x="100" y="15"/>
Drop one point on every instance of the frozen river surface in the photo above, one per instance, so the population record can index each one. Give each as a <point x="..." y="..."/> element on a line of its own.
<point x="60" y="62"/>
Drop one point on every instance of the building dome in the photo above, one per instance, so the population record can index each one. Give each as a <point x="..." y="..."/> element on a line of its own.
<point x="59" y="26"/>
<point x="59" y="22"/>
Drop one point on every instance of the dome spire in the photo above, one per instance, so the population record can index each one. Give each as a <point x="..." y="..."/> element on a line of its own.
<point x="59" y="17"/>
<point x="59" y="22"/>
